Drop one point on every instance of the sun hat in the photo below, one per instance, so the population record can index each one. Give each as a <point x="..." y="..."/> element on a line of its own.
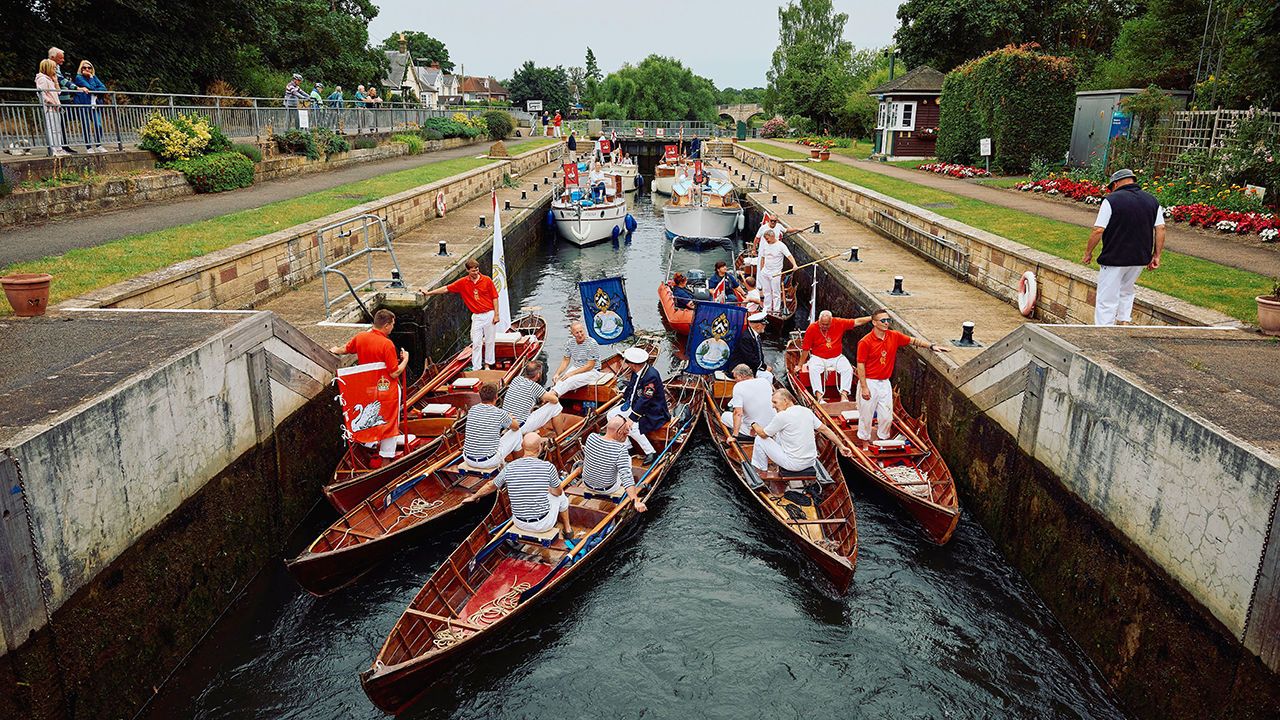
<point x="1119" y="175"/>
<point x="635" y="355"/>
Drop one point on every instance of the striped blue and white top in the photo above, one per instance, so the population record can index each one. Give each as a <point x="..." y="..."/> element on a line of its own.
<point x="485" y="425"/>
<point x="522" y="396"/>
<point x="580" y="353"/>
<point x="528" y="482"/>
<point x="605" y="463"/>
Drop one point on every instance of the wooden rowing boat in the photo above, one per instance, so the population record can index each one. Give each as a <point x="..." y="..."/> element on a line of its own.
<point x="436" y="403"/>
<point x="776" y="320"/>
<point x="824" y="527"/>
<point x="494" y="576"/>
<point x="433" y="488"/>
<point x="910" y="469"/>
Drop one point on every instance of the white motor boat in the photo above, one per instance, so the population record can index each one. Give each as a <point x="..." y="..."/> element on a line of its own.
<point x="666" y="174"/>
<point x="707" y="211"/>
<point x="627" y="172"/>
<point x="584" y="221"/>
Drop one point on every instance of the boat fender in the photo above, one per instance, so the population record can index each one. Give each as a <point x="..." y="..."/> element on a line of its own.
<point x="1027" y="293"/>
<point x="630" y="223"/>
<point x="551" y="218"/>
<point x="615" y="233"/>
<point x="440" y="204"/>
<point x="742" y="222"/>
<point x="639" y="181"/>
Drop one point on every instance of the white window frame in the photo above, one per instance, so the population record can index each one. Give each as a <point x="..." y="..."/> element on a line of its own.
<point x="882" y="115"/>
<point x="898" y="114"/>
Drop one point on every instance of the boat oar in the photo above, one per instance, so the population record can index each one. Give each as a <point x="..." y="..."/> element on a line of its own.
<point x="815" y="262"/>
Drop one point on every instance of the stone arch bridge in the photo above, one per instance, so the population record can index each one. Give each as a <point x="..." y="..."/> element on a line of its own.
<point x="740" y="113"/>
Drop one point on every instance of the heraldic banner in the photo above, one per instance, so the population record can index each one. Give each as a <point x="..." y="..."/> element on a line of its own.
<point x="712" y="335"/>
<point x="370" y="402"/>
<point x="570" y="174"/>
<point x="605" y="311"/>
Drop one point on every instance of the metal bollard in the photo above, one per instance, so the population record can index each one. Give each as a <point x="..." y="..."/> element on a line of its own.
<point x="817" y="228"/>
<point x="535" y="187"/>
<point x="523" y="196"/>
<point x="444" y="249"/>
<point x="555" y="173"/>
<point x="546" y="181"/>
<point x="853" y="254"/>
<point x="396" y="281"/>
<point x="966" y="336"/>
<point x="897" y="286"/>
<point x="506" y="205"/>
<point x="774" y="201"/>
<point x="482" y="221"/>
<point x="791" y="209"/>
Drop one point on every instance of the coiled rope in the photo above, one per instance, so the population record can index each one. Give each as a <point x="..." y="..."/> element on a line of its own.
<point x="489" y="613"/>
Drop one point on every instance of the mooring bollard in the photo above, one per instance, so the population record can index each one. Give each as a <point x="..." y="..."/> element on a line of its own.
<point x="853" y="254"/>
<point x="791" y="209"/>
<point x="444" y="249"/>
<point x="535" y="187"/>
<point x="546" y="181"/>
<point x="482" y="221"/>
<point x="897" y="286"/>
<point x="523" y="196"/>
<point x="817" y="228"/>
<point x="966" y="336"/>
<point x="396" y="281"/>
<point x="774" y="201"/>
<point x="555" y="173"/>
<point x="506" y="205"/>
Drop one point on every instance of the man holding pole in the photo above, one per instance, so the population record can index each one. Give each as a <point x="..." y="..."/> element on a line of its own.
<point x="479" y="294"/>
<point x="877" y="353"/>
<point x="773" y="253"/>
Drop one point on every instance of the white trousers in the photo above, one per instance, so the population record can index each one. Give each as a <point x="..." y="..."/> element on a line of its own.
<point x="483" y="335"/>
<point x="770" y="291"/>
<point x="540" y="416"/>
<point x="559" y="504"/>
<point x="635" y="433"/>
<point x="580" y="380"/>
<point x="817" y="366"/>
<point x="766" y="449"/>
<point x="557" y="129"/>
<point x="507" y="444"/>
<point x="1115" y="293"/>
<point x="880" y="405"/>
<point x="387" y="446"/>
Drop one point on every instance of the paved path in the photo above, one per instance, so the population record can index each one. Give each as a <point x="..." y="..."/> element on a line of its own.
<point x="31" y="242"/>
<point x="1223" y="249"/>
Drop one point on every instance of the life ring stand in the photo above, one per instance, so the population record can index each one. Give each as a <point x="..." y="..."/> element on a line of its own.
<point x="1027" y="293"/>
<point x="440" y="204"/>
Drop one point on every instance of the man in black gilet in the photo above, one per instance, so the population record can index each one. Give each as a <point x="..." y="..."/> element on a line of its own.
<point x="1130" y="225"/>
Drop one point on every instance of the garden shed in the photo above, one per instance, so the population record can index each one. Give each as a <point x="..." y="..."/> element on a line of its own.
<point x="907" y="120"/>
<point x="1096" y="113"/>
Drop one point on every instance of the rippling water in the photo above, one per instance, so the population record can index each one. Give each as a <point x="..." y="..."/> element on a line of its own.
<point x="703" y="611"/>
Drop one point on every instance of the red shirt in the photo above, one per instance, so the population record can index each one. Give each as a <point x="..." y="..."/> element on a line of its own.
<point x="878" y="355"/>
<point x="557" y="120"/>
<point x="830" y="344"/>
<point x="478" y="296"/>
<point x="373" y="346"/>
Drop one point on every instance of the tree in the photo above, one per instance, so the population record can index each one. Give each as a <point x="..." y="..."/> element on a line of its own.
<point x="593" y="70"/>
<point x="577" y="82"/>
<point x="1251" y="69"/>
<point x="811" y="74"/>
<point x="550" y="85"/>
<point x="659" y="88"/>
<point x="424" y="48"/>
<point x="324" y="40"/>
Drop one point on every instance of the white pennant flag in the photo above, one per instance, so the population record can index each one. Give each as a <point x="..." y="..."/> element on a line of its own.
<point x="500" y="270"/>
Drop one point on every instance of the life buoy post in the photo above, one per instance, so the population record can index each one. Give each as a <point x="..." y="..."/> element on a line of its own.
<point x="1027" y="293"/>
<point x="440" y="204"/>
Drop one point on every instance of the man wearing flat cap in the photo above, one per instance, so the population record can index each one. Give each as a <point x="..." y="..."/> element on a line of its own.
<point x="1130" y="226"/>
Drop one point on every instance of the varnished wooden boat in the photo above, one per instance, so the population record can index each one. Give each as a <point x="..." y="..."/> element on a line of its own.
<point x="825" y="530"/>
<point x="777" y="320"/>
<point x="914" y="474"/>
<point x="434" y="407"/>
<point x="493" y="577"/>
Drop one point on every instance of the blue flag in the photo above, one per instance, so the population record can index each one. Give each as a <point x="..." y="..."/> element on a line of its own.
<point x="605" y="311"/>
<point x="712" y="335"/>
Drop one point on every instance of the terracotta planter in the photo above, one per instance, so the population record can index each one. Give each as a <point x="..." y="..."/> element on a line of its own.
<point x="28" y="293"/>
<point x="824" y="155"/>
<point x="813" y="154"/>
<point x="1269" y="314"/>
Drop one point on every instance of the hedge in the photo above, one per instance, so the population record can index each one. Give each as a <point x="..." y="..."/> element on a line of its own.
<point x="1022" y="99"/>
<point x="500" y="124"/>
<point x="215" y="172"/>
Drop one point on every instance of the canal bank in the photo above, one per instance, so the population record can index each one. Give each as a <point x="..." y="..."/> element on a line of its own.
<point x="158" y="456"/>
<point x="1140" y="504"/>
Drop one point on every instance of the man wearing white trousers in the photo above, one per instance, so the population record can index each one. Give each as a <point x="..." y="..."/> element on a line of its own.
<point x="480" y="296"/>
<point x="773" y="254"/>
<point x="644" y="402"/>
<point x="790" y="439"/>
<point x="578" y="369"/>
<point x="1130" y="226"/>
<point x="490" y="434"/>
<point x="823" y="350"/>
<point x="524" y="393"/>
<point x="877" y="353"/>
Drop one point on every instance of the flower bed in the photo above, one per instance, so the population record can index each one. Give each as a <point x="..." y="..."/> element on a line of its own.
<point x="954" y="170"/>
<point x="1086" y="191"/>
<point x="1232" y="221"/>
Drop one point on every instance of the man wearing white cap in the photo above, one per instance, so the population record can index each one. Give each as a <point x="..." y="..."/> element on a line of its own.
<point x="773" y="253"/>
<point x="1130" y="226"/>
<point x="750" y="348"/>
<point x="644" y="401"/>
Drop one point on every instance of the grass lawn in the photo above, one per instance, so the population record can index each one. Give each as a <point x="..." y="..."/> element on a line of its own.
<point x="775" y="151"/>
<point x="515" y="147"/>
<point x="82" y="270"/>
<point x="1197" y="281"/>
<point x="1004" y="182"/>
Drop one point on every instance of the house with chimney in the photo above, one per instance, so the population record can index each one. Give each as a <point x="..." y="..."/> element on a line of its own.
<point x="483" y="89"/>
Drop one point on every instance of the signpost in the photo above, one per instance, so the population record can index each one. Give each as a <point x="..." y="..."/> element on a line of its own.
<point x="533" y="105"/>
<point x="984" y="149"/>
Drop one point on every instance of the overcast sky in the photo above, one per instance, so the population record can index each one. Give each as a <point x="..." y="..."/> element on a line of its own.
<point x="730" y="42"/>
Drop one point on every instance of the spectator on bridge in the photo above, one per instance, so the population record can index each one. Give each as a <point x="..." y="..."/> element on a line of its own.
<point x="47" y="87"/>
<point x="293" y="94"/>
<point x="335" y="98"/>
<point x="374" y="101"/>
<point x="88" y="99"/>
<point x="1130" y="225"/>
<point x="58" y="57"/>
<point x="362" y="102"/>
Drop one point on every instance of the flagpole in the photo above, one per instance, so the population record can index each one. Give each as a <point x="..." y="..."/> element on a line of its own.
<point x="500" y="269"/>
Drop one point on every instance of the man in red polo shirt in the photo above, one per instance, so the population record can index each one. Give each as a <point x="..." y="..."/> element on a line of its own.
<point x="877" y="352"/>
<point x="823" y="349"/>
<point x="479" y="294"/>
<point x="374" y="346"/>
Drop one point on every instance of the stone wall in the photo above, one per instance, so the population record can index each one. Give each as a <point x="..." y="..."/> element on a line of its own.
<point x="995" y="264"/>
<point x="136" y="188"/>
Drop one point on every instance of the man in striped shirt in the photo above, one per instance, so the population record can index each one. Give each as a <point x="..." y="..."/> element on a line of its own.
<point x="485" y="444"/>
<point x="578" y="369"/>
<point x="533" y="489"/>
<point x="524" y="393"/>
<point x="606" y="464"/>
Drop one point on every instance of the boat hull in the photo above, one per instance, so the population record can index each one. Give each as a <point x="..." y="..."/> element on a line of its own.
<point x="662" y="185"/>
<point x="591" y="225"/>
<point x="701" y="222"/>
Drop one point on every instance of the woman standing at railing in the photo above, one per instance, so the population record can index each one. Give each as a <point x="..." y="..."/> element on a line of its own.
<point x="47" y="90"/>
<point x="88" y="99"/>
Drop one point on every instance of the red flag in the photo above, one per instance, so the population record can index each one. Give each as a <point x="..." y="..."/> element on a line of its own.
<point x="670" y="152"/>
<point x="570" y="174"/>
<point x="370" y="402"/>
<point x="697" y="172"/>
<point x="605" y="147"/>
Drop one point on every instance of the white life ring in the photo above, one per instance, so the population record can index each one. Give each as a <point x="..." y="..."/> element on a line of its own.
<point x="440" y="203"/>
<point x="1027" y="293"/>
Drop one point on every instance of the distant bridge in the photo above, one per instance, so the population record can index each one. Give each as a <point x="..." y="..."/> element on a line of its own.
<point x="740" y="113"/>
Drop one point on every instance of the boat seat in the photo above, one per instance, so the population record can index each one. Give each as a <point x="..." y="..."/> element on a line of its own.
<point x="590" y="494"/>
<point x="463" y="468"/>
<point x="544" y="538"/>
<point x="605" y="378"/>
<point x="810" y="472"/>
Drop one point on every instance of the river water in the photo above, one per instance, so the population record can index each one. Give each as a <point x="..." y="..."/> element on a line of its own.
<point x="703" y="611"/>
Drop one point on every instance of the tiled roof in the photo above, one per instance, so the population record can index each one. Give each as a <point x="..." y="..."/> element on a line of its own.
<point x="488" y="85"/>
<point x="395" y="76"/>
<point x="922" y="79"/>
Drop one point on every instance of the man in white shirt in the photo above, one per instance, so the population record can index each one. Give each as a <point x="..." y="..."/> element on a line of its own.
<point x="773" y="253"/>
<point x="751" y="404"/>
<point x="1130" y="226"/>
<point x="595" y="181"/>
<point x="581" y="358"/>
<point x="789" y="439"/>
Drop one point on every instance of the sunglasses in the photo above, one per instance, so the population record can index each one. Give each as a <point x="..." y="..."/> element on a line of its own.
<point x="885" y="320"/>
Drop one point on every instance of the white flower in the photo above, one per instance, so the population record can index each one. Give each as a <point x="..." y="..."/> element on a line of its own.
<point x="1226" y="225"/>
<point x="1269" y="234"/>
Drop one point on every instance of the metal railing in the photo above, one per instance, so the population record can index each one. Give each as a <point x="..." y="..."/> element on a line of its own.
<point x="359" y="225"/>
<point x="940" y="250"/>
<point x="114" y="118"/>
